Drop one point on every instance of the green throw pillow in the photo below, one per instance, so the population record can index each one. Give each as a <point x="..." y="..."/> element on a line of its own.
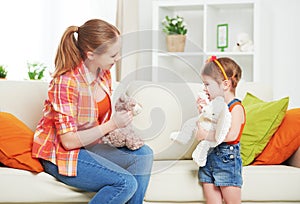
<point x="262" y="120"/>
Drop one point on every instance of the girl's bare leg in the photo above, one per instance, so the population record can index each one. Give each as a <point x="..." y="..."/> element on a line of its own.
<point x="231" y="194"/>
<point x="212" y="193"/>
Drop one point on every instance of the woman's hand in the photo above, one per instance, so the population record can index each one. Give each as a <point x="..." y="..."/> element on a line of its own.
<point x="122" y="119"/>
<point x="74" y="140"/>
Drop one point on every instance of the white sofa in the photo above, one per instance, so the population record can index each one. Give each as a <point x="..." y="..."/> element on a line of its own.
<point x="174" y="177"/>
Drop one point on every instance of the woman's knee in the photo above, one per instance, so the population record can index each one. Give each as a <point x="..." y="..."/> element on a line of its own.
<point x="145" y="156"/>
<point x="120" y="190"/>
<point x="145" y="150"/>
<point x="129" y="184"/>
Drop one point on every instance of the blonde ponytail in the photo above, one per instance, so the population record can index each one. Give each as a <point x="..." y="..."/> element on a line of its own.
<point x="68" y="54"/>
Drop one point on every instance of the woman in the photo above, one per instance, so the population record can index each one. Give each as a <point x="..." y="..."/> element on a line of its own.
<point x="77" y="114"/>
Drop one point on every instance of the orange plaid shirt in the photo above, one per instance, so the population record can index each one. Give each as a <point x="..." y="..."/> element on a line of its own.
<point x="70" y="107"/>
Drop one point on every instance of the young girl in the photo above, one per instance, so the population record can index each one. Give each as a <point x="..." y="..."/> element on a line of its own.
<point x="77" y="114"/>
<point x="222" y="175"/>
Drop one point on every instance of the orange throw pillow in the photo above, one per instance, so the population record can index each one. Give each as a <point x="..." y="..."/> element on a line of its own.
<point x="16" y="143"/>
<point x="285" y="141"/>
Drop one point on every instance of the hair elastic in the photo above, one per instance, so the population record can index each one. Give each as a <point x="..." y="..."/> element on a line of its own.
<point x="214" y="59"/>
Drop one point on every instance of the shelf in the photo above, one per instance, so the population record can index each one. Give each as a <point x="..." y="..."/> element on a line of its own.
<point x="180" y="4"/>
<point x="240" y="18"/>
<point x="230" y="53"/>
<point x="231" y="5"/>
<point x="181" y="54"/>
<point x="202" y="18"/>
<point x="197" y="54"/>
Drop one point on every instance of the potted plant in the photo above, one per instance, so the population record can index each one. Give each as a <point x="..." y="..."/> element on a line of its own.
<point x="176" y="33"/>
<point x="36" y="70"/>
<point x="3" y="72"/>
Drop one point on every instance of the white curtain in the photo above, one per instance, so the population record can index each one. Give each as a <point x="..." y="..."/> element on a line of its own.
<point x="127" y="21"/>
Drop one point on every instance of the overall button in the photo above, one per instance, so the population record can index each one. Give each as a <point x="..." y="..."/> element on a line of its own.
<point x="231" y="156"/>
<point x="231" y="147"/>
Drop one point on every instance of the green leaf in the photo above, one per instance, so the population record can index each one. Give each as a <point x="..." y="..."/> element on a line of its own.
<point x="36" y="70"/>
<point x="174" y="25"/>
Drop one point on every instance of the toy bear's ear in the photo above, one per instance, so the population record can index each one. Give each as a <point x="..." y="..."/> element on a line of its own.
<point x="122" y="98"/>
<point x="137" y="109"/>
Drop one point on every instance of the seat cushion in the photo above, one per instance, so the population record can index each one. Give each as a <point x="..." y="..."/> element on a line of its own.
<point x="36" y="187"/>
<point x="178" y="181"/>
<point x="175" y="180"/>
<point x="271" y="183"/>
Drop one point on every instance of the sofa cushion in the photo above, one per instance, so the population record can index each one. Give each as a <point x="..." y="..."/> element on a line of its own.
<point x="262" y="120"/>
<point x="37" y="188"/>
<point x="15" y="144"/>
<point x="284" y="142"/>
<point x="271" y="183"/>
<point x="294" y="160"/>
<point x="177" y="181"/>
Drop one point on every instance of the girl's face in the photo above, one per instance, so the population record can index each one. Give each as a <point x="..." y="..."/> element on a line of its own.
<point x="212" y="88"/>
<point x="106" y="60"/>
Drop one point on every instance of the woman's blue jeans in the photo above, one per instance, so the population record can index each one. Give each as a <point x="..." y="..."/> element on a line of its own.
<point x="118" y="175"/>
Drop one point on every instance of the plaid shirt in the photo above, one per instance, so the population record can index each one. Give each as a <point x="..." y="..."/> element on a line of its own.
<point x="70" y="107"/>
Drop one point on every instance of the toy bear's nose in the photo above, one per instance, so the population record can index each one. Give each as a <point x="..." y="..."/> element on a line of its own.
<point x="238" y="44"/>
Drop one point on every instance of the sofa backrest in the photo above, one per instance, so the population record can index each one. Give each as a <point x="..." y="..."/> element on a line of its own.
<point x="24" y="99"/>
<point x="166" y="106"/>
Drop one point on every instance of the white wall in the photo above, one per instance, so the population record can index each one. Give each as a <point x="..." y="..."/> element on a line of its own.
<point x="20" y="34"/>
<point x="278" y="49"/>
<point x="283" y="33"/>
<point x="31" y="30"/>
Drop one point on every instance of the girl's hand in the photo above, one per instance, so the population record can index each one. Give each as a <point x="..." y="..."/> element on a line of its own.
<point x="200" y="103"/>
<point x="200" y="132"/>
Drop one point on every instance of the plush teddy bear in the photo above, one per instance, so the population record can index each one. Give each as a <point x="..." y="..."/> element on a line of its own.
<point x="244" y="43"/>
<point x="214" y="116"/>
<point x="125" y="136"/>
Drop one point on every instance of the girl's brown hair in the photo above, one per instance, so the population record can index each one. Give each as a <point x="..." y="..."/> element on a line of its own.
<point x="231" y="68"/>
<point x="94" y="35"/>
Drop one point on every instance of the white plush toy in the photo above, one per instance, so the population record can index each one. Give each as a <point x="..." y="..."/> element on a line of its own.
<point x="215" y="116"/>
<point x="243" y="44"/>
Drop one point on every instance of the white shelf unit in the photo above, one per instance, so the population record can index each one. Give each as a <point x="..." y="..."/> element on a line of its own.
<point x="202" y="18"/>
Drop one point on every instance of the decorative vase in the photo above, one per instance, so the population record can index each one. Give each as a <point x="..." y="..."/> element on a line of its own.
<point x="176" y="43"/>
